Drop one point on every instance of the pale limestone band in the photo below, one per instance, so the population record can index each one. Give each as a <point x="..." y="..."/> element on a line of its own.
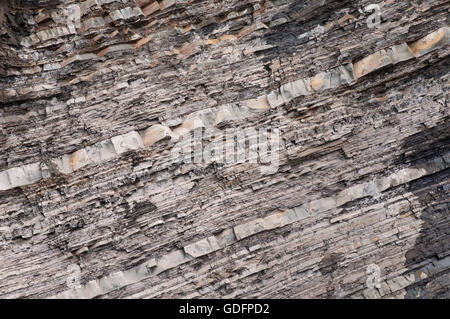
<point x="400" y="282"/>
<point x="94" y="22"/>
<point x="322" y="81"/>
<point x="155" y="266"/>
<point x="133" y="141"/>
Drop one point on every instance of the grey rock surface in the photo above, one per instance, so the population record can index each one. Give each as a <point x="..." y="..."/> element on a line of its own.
<point x="96" y="96"/>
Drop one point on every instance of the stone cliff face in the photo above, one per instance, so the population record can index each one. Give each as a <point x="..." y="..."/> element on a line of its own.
<point x="349" y="197"/>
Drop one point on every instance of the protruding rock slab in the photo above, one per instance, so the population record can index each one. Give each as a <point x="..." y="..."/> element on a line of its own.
<point x="431" y="42"/>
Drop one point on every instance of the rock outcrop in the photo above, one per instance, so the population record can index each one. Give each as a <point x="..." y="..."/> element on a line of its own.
<point x="320" y="141"/>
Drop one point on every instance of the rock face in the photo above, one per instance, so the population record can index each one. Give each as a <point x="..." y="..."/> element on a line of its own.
<point x="320" y="141"/>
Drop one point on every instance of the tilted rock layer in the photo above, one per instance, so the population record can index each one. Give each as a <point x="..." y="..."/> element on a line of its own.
<point x="95" y="95"/>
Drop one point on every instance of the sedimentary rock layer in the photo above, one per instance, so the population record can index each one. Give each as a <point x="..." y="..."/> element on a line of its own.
<point x="96" y="95"/>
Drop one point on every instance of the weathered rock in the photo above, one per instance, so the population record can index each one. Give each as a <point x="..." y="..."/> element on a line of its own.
<point x="79" y="159"/>
<point x="128" y="142"/>
<point x="259" y="104"/>
<point x="155" y="134"/>
<point x="371" y="63"/>
<point x="5" y="184"/>
<point x="101" y="152"/>
<point x="431" y="42"/>
<point x="91" y="93"/>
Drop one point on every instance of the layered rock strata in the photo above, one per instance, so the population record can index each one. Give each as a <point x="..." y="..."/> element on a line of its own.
<point x="96" y="95"/>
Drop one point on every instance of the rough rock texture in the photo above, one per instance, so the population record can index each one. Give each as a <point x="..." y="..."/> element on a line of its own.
<point x="93" y="98"/>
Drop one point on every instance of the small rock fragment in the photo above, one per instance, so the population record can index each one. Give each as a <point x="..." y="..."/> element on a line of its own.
<point x="128" y="142"/>
<point x="371" y="63"/>
<point x="259" y="104"/>
<point x="431" y="42"/>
